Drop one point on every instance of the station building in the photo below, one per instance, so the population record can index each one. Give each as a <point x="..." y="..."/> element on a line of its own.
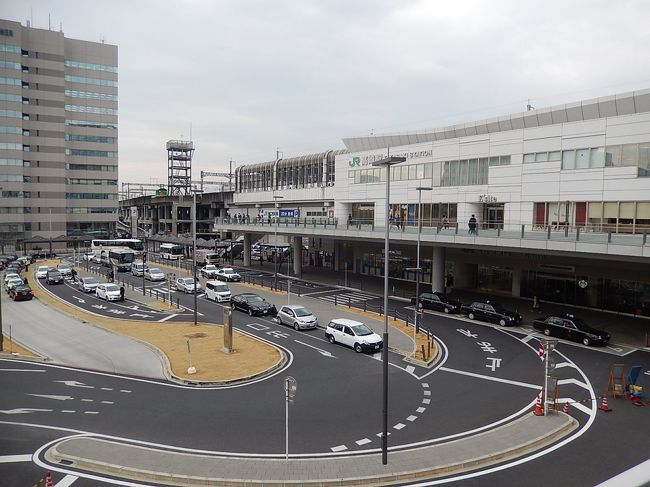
<point x="561" y="196"/>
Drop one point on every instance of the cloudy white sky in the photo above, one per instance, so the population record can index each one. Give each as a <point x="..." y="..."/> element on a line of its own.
<point x="251" y="77"/>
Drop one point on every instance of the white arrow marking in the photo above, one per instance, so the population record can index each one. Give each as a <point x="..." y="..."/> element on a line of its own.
<point x="467" y="333"/>
<point x="74" y="383"/>
<point x="140" y="315"/>
<point x="322" y="352"/>
<point x="79" y="299"/>
<point x="47" y="396"/>
<point x="24" y="411"/>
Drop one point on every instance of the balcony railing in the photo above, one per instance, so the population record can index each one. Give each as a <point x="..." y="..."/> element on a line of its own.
<point x="597" y="234"/>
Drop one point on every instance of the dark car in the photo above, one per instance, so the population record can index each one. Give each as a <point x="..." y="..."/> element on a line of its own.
<point x="438" y="302"/>
<point x="492" y="312"/>
<point x="571" y="328"/>
<point x="253" y="304"/>
<point x="21" y="292"/>
<point x="54" y="277"/>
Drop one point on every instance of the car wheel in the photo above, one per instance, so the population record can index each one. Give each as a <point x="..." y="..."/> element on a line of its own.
<point x="357" y="348"/>
<point x="296" y="326"/>
<point x="547" y="332"/>
<point x="586" y="341"/>
<point x="471" y="316"/>
<point x="250" y="312"/>
<point x="331" y="339"/>
<point x="446" y="310"/>
<point x="502" y="322"/>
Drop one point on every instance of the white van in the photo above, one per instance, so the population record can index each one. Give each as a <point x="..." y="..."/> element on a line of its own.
<point x="137" y="268"/>
<point x="217" y="291"/>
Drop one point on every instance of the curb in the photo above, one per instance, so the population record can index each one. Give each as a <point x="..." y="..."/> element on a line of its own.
<point x="53" y="456"/>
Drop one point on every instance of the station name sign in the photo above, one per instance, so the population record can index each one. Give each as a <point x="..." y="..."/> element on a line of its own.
<point x="486" y="198"/>
<point x="358" y="161"/>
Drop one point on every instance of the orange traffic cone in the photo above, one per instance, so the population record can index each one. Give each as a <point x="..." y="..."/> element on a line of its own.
<point x="604" y="406"/>
<point x="48" y="479"/>
<point x="565" y="409"/>
<point x="539" y="409"/>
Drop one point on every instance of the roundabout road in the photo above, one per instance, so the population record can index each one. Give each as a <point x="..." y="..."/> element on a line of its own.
<point x="486" y="377"/>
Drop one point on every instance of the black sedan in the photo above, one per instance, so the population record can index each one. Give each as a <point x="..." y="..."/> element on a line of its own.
<point x="492" y="312"/>
<point x="571" y="328"/>
<point x="22" y="292"/>
<point x="253" y="304"/>
<point x="438" y="302"/>
<point x="54" y="277"/>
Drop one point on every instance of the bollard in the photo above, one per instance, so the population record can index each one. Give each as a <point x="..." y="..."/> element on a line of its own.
<point x="428" y="350"/>
<point x="548" y="232"/>
<point x="424" y="357"/>
<point x="348" y="301"/>
<point x="178" y="304"/>
<point x="523" y="229"/>
<point x="577" y="233"/>
<point x="335" y="300"/>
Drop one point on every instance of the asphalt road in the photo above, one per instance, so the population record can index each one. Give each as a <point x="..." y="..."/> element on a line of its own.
<point x="487" y="374"/>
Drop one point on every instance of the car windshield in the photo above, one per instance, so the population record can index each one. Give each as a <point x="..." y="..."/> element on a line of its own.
<point x="361" y="330"/>
<point x="90" y="280"/>
<point x="228" y="271"/>
<point x="302" y="312"/>
<point x="210" y="267"/>
<point x="43" y="269"/>
<point x="54" y="273"/>
<point x="222" y="288"/>
<point x="187" y="280"/>
<point x="63" y="267"/>
<point x="112" y="288"/>
<point x="254" y="299"/>
<point x="155" y="271"/>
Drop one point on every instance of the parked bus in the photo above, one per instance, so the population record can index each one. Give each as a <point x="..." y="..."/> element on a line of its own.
<point x="97" y="245"/>
<point x="171" y="251"/>
<point x="119" y="257"/>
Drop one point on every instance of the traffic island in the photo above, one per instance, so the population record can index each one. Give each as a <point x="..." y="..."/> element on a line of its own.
<point x="184" y="344"/>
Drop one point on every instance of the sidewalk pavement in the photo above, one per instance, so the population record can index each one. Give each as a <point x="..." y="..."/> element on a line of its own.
<point x="624" y="328"/>
<point x="148" y="464"/>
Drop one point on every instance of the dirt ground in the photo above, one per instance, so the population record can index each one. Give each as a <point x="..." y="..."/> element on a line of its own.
<point x="13" y="348"/>
<point x="250" y="356"/>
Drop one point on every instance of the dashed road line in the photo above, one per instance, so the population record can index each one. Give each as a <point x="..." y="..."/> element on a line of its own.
<point x="426" y="401"/>
<point x="339" y="448"/>
<point x="427" y="393"/>
<point x="425" y="385"/>
<point x="573" y="381"/>
<point x="91" y="412"/>
<point x="71" y="411"/>
<point x="365" y="441"/>
<point x="125" y="390"/>
<point x="399" y="426"/>
<point x="108" y="402"/>
<point x="421" y="410"/>
<point x="411" y="418"/>
<point x="166" y="318"/>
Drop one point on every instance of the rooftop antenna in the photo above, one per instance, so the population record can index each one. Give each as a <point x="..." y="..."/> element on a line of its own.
<point x="529" y="107"/>
<point x="61" y="27"/>
<point x="190" y="131"/>
<point x="49" y="21"/>
<point x="31" y="15"/>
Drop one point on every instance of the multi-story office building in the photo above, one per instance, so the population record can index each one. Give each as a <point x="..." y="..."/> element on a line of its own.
<point x="58" y="135"/>
<point x="561" y="196"/>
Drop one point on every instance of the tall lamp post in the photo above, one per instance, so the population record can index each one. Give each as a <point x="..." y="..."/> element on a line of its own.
<point x="418" y="268"/>
<point x="277" y="224"/>
<point x="194" y="191"/>
<point x="387" y="162"/>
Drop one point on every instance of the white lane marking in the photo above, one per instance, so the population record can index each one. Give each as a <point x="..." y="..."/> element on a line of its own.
<point x="411" y="418"/>
<point x="426" y="401"/>
<point x="166" y="318"/>
<point x="339" y="448"/>
<point x="70" y="411"/>
<point x="319" y="350"/>
<point x="15" y="458"/>
<point x="425" y="385"/>
<point x="527" y="338"/>
<point x="74" y="383"/>
<point x="487" y="377"/>
<point x="66" y="481"/>
<point x="581" y="407"/>
<point x="23" y="370"/>
<point x="427" y="393"/>
<point x="410" y="369"/>
<point x="48" y="396"/>
<point x="124" y="390"/>
<point x="365" y="441"/>
<point x="317" y="292"/>
<point x="24" y="411"/>
<point x="399" y="426"/>
<point x="638" y="475"/>
<point x="91" y="412"/>
<point x="87" y="400"/>
<point x="108" y="402"/>
<point x="381" y="434"/>
<point x="106" y="388"/>
<point x="421" y="410"/>
<point x="563" y="364"/>
<point x="573" y="381"/>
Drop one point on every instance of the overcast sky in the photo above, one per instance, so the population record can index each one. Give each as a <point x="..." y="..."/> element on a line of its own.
<point x="298" y="76"/>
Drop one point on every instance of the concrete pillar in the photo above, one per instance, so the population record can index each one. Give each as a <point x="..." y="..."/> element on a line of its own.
<point x="247" y="249"/>
<point x="438" y="269"/>
<point x="297" y="256"/>
<point x="516" y="282"/>
<point x="465" y="275"/>
<point x="337" y="256"/>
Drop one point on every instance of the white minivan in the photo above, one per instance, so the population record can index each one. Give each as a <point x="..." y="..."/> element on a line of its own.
<point x="137" y="268"/>
<point x="217" y="291"/>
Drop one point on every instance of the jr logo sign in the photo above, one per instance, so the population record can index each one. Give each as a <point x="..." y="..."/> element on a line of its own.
<point x="355" y="161"/>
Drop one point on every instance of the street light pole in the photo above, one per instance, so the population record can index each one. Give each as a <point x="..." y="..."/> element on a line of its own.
<point x="416" y="323"/>
<point x="387" y="162"/>
<point x="194" y="191"/>
<point x="277" y="224"/>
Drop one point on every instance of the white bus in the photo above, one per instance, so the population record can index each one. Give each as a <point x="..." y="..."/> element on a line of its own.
<point x="171" y="251"/>
<point x="121" y="258"/>
<point x="97" y="245"/>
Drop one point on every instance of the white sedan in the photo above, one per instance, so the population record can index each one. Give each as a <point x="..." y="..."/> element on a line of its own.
<point x="210" y="271"/>
<point x="11" y="275"/>
<point x="41" y="272"/>
<point x="187" y="285"/>
<point x="109" y="292"/>
<point x="154" y="274"/>
<point x="228" y="274"/>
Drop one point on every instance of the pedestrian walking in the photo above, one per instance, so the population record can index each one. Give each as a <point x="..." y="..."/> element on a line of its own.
<point x="74" y="275"/>
<point x="121" y="293"/>
<point x="445" y="221"/>
<point x="472" y="225"/>
<point x="349" y="219"/>
<point x="449" y="283"/>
